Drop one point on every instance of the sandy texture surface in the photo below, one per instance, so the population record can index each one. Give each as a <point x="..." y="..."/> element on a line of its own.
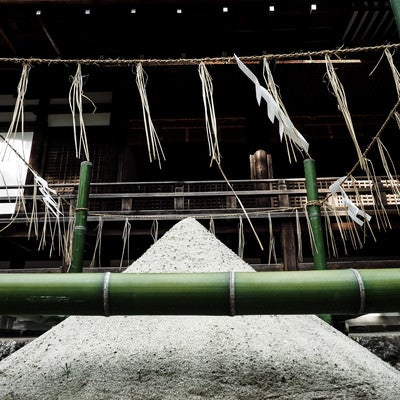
<point x="169" y="357"/>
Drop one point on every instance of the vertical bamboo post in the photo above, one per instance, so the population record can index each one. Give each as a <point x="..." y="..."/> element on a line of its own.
<point x="395" y="4"/>
<point x="78" y="241"/>
<point x="314" y="214"/>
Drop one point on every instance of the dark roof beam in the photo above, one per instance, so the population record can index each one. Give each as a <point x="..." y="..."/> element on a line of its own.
<point x="7" y="41"/>
<point x="49" y="37"/>
<point x="129" y="3"/>
<point x="65" y="2"/>
<point x="381" y="23"/>
<point x="369" y="26"/>
<point x="350" y="25"/>
<point x="388" y="27"/>
<point x="363" y="18"/>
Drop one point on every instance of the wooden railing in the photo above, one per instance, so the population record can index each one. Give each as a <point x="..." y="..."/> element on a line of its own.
<point x="174" y="199"/>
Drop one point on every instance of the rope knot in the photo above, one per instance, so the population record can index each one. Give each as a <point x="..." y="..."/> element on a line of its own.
<point x="317" y="203"/>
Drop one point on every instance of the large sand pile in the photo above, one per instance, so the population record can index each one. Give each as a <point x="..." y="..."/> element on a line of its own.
<point x="179" y="357"/>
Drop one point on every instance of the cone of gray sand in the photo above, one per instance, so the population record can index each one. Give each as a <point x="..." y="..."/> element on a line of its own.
<point x="195" y="357"/>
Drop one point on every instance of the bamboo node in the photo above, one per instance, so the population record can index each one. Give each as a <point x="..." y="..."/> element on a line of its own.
<point x="106" y="303"/>
<point x="361" y="288"/>
<point x="232" y="294"/>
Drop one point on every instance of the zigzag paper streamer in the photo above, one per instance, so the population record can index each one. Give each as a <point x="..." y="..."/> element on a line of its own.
<point x="352" y="209"/>
<point x="286" y="126"/>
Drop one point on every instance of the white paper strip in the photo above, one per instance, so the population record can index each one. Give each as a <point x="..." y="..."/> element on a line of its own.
<point x="352" y="209"/>
<point x="47" y="195"/>
<point x="286" y="126"/>
<point x="252" y="77"/>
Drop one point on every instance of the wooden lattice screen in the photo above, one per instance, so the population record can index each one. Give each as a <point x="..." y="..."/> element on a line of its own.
<point x="63" y="167"/>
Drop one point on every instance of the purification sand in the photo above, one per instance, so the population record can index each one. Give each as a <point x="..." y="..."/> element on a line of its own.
<point x="192" y="357"/>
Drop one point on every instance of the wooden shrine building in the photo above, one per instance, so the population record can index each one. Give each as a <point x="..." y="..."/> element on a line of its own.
<point x="170" y="39"/>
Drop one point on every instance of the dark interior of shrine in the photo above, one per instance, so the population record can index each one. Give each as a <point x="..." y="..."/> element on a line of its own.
<point x="155" y="30"/>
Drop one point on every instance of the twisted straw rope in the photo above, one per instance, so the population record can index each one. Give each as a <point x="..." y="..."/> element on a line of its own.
<point x="195" y="61"/>
<point x="311" y="203"/>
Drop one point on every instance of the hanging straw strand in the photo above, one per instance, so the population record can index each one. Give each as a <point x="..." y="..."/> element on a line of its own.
<point x="154" y="147"/>
<point x="42" y="242"/>
<point x="390" y="170"/>
<point x="125" y="239"/>
<point x="18" y="114"/>
<point x="310" y="232"/>
<point x="60" y="228"/>
<point x="44" y="189"/>
<point x="33" y="220"/>
<point x="340" y="94"/>
<point x="271" y="247"/>
<point x="377" y="136"/>
<point x="379" y="207"/>
<point x="272" y="87"/>
<point x="395" y="72"/>
<point x="154" y="230"/>
<point x="97" y="246"/>
<point x="241" y="206"/>
<point x="241" y="240"/>
<point x="68" y="237"/>
<point x="213" y="139"/>
<point x="53" y="231"/>
<point x="76" y="97"/>
<point x="212" y="226"/>
<point x="209" y="113"/>
<point x="330" y="239"/>
<point x="392" y="113"/>
<point x="299" y="239"/>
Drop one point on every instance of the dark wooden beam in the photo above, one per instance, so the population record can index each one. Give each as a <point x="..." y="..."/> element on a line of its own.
<point x="100" y="2"/>
<point x="7" y="41"/>
<point x="50" y="38"/>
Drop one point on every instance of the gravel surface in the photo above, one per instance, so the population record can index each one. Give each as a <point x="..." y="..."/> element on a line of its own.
<point x="386" y="347"/>
<point x="192" y="357"/>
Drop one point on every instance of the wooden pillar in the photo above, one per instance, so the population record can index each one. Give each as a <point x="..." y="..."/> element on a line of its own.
<point x="179" y="202"/>
<point x="261" y="165"/>
<point x="261" y="168"/>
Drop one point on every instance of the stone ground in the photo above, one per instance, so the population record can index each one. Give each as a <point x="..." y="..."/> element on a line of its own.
<point x="386" y="348"/>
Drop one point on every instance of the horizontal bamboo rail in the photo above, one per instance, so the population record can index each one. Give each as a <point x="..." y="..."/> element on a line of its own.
<point x="340" y="292"/>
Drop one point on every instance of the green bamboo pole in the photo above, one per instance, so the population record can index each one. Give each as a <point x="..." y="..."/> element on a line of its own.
<point x="334" y="292"/>
<point x="314" y="214"/>
<point x="78" y="241"/>
<point x="395" y="4"/>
